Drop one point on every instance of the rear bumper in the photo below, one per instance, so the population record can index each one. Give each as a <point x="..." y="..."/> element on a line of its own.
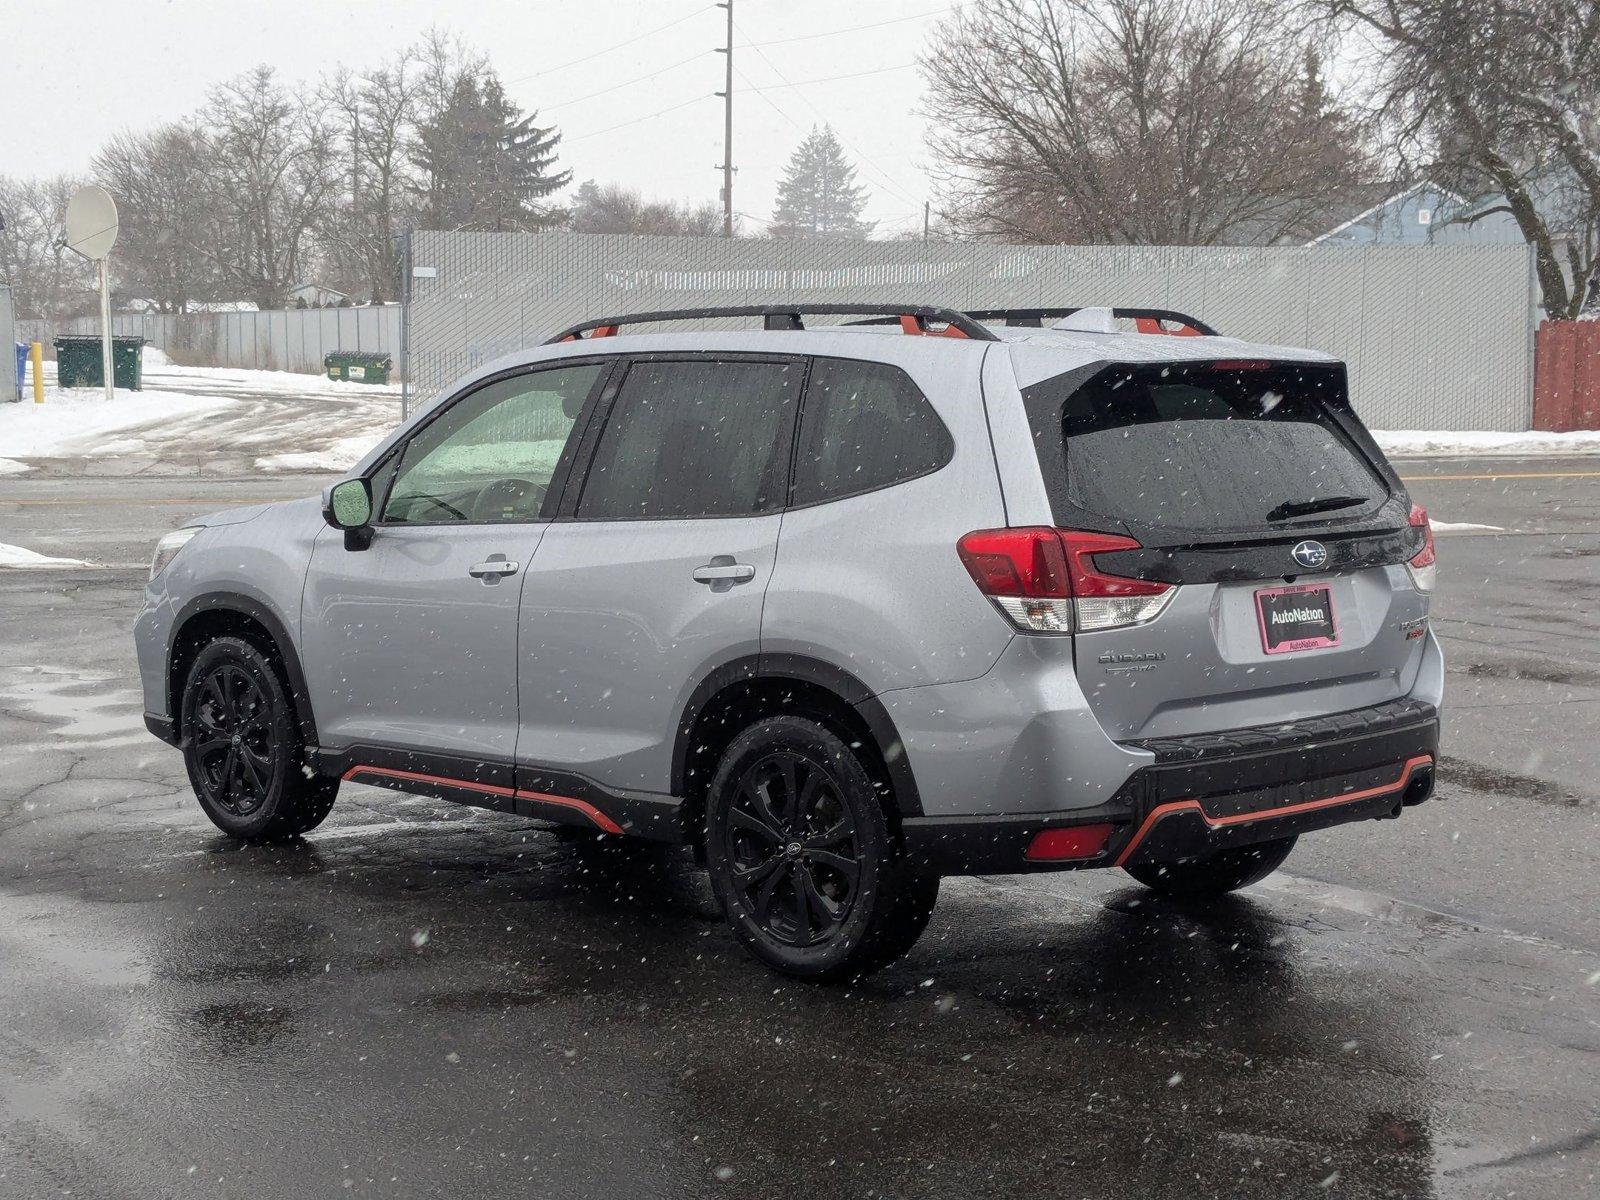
<point x="1214" y="791"/>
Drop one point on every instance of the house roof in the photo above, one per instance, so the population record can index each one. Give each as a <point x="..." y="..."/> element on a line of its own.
<point x="1388" y="196"/>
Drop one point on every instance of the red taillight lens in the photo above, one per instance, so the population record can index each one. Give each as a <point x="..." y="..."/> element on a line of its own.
<point x="1047" y="581"/>
<point x="1073" y="841"/>
<point x="1422" y="565"/>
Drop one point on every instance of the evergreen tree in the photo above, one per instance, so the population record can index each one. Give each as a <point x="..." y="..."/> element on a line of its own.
<point x="486" y="166"/>
<point x="819" y="196"/>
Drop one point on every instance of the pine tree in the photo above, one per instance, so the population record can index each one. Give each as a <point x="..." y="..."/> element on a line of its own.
<point x="487" y="166"/>
<point x="819" y="196"/>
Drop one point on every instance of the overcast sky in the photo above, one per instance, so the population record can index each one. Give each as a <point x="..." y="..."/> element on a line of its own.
<point x="80" y="70"/>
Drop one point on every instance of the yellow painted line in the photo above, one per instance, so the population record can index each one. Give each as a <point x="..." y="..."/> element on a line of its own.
<point x="1507" y="475"/>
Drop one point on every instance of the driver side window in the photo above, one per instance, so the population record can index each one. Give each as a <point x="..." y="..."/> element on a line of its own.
<point x="490" y="457"/>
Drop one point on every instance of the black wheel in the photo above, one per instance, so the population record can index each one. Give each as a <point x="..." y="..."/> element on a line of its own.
<point x="1217" y="874"/>
<point x="242" y="746"/>
<point x="802" y="857"/>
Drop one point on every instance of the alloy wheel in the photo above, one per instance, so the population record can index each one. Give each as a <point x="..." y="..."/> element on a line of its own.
<point x="792" y="848"/>
<point x="232" y="739"/>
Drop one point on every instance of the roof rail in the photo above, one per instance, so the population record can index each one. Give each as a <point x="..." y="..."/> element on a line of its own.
<point x="1147" y="320"/>
<point x="913" y="318"/>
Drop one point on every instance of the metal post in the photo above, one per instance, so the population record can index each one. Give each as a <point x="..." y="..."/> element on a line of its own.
<point x="405" y="329"/>
<point x="727" y="129"/>
<point x="926" y="207"/>
<point x="105" y="326"/>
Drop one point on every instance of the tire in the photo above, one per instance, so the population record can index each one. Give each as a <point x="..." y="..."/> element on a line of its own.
<point x="818" y="889"/>
<point x="242" y="747"/>
<point x="1217" y="874"/>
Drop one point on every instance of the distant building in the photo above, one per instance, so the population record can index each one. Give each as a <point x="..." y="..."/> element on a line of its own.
<point x="314" y="295"/>
<point x="1424" y="214"/>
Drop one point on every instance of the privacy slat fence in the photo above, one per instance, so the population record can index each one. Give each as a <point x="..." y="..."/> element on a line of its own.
<point x="293" y="339"/>
<point x="1436" y="337"/>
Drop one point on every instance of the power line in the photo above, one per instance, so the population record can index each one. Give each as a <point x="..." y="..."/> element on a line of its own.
<point x="637" y="120"/>
<point x="618" y="46"/>
<point x="808" y="37"/>
<point x="778" y="87"/>
<point x="630" y="82"/>
<point x="883" y="177"/>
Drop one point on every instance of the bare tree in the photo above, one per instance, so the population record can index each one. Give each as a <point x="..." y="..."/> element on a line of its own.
<point x="47" y="279"/>
<point x="375" y="114"/>
<point x="159" y="181"/>
<point x="1134" y="121"/>
<point x="269" y="175"/>
<point x="1503" y="97"/>
<point x="615" y="208"/>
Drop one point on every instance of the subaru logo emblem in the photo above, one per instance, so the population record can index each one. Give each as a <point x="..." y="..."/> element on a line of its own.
<point x="1310" y="554"/>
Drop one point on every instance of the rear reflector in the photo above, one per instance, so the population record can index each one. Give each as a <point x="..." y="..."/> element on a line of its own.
<point x="1070" y="842"/>
<point x="1423" y="565"/>
<point x="1046" y="580"/>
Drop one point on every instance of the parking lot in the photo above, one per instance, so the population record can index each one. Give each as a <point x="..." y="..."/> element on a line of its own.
<point x="432" y="1001"/>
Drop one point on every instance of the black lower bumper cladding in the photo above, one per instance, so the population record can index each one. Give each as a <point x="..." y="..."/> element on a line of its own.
<point x="1214" y="791"/>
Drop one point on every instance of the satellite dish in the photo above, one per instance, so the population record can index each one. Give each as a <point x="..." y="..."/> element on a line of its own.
<point x="91" y="222"/>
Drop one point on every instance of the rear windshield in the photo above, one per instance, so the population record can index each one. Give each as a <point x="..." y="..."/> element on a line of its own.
<point x="1206" y="446"/>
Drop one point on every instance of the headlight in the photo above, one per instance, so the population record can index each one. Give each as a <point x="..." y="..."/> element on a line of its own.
<point x="167" y="548"/>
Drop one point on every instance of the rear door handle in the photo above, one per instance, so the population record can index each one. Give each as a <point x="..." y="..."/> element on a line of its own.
<point x="723" y="570"/>
<point x="495" y="567"/>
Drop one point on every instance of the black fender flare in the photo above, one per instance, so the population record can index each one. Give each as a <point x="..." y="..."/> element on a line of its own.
<point x="246" y="606"/>
<point x="804" y="669"/>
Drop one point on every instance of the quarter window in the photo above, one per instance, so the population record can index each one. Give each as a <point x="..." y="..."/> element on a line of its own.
<point x="694" y="439"/>
<point x="491" y="455"/>
<point x="864" y="426"/>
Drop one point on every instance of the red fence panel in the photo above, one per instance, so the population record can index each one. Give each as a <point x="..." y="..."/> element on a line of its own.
<point x="1566" y="376"/>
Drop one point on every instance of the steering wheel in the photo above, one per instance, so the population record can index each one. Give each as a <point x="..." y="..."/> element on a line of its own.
<point x="509" y="500"/>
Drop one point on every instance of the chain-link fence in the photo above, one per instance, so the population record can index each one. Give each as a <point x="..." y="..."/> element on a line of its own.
<point x="1436" y="337"/>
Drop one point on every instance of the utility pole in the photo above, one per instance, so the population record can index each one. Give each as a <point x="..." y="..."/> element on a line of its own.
<point x="926" y="205"/>
<point x="727" y="128"/>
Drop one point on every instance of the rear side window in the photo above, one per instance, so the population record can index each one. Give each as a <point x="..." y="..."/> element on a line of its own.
<point x="1206" y="447"/>
<point x="864" y="425"/>
<point x="694" y="439"/>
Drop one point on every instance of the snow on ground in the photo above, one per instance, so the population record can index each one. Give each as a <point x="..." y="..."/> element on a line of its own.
<point x="11" y="467"/>
<point x="340" y="456"/>
<point x="1402" y="443"/>
<point x="76" y="422"/>
<point x="18" y="556"/>
<point x="228" y="379"/>
<point x="1464" y="527"/>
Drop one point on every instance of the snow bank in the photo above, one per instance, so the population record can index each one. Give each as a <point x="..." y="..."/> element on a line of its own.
<point x="226" y="379"/>
<point x="10" y="467"/>
<point x="340" y="456"/>
<point x="81" y="421"/>
<point x="1422" y="442"/>
<point x="17" y="556"/>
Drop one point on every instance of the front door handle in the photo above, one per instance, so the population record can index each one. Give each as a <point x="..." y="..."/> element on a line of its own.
<point x="722" y="573"/>
<point x="492" y="570"/>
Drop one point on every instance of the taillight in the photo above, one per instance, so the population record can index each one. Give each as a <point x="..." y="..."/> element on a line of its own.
<point x="1047" y="581"/>
<point x="1423" y="564"/>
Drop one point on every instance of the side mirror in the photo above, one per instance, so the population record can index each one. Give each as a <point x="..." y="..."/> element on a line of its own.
<point x="348" y="506"/>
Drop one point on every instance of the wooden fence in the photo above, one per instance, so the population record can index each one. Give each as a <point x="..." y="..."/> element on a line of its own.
<point x="1566" y="376"/>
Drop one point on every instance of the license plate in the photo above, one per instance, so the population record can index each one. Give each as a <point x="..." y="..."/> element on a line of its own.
<point x="1296" y="618"/>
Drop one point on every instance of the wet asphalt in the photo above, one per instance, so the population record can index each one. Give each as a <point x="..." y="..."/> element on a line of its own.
<point x="423" y="1000"/>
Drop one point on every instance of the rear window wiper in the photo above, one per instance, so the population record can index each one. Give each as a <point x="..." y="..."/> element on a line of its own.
<point x="1304" y="508"/>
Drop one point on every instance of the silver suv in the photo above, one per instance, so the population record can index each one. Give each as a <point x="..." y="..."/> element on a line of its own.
<point x="844" y="608"/>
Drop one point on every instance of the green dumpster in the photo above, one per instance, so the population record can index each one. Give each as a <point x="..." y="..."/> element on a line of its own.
<point x="358" y="367"/>
<point x="78" y="362"/>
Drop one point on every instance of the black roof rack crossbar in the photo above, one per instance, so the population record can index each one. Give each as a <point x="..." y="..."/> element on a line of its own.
<point x="915" y="318"/>
<point x="1035" y="317"/>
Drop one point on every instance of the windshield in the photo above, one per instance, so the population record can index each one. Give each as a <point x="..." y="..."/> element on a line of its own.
<point x="1209" y="446"/>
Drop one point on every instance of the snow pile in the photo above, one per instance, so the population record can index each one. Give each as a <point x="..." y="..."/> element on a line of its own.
<point x="81" y="421"/>
<point x="343" y="454"/>
<point x="235" y="379"/>
<point x="17" y="556"/>
<point x="11" y="467"/>
<point x="1422" y="442"/>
